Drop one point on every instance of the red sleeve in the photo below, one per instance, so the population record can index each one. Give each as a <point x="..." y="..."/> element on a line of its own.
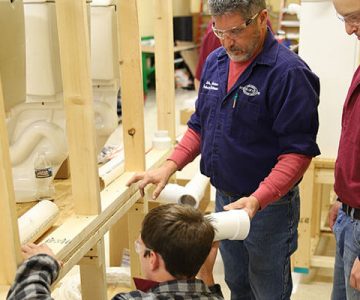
<point x="285" y="174"/>
<point x="187" y="149"/>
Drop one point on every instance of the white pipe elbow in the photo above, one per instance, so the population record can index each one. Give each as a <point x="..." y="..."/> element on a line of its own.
<point x="20" y="150"/>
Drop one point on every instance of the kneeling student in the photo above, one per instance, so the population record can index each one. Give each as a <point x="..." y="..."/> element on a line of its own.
<point x="175" y="245"/>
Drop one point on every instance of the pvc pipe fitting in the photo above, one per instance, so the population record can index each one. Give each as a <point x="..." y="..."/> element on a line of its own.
<point x="230" y="225"/>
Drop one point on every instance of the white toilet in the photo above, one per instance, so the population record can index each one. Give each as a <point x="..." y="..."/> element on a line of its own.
<point x="104" y="62"/>
<point x="38" y="124"/>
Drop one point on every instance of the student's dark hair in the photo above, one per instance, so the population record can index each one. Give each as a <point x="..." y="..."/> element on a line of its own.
<point x="246" y="8"/>
<point x="181" y="235"/>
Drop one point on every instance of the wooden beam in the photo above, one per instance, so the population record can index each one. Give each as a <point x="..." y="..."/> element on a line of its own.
<point x="302" y="255"/>
<point x="164" y="66"/>
<point x="93" y="274"/>
<point x="74" y="44"/>
<point x="135" y="218"/>
<point x="10" y="255"/>
<point x="118" y="241"/>
<point x="321" y="261"/>
<point x="324" y="176"/>
<point x="132" y="94"/>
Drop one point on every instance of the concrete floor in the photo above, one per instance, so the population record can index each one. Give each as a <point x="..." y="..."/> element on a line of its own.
<point x="316" y="285"/>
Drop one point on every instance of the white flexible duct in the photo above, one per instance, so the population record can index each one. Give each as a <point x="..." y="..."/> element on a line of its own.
<point x="190" y="194"/>
<point x="26" y="142"/>
<point x="230" y="225"/>
<point x="70" y="289"/>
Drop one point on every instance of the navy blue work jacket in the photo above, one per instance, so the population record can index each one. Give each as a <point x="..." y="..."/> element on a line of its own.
<point x="275" y="112"/>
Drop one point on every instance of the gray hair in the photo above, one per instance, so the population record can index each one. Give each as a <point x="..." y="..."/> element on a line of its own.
<point x="246" y="8"/>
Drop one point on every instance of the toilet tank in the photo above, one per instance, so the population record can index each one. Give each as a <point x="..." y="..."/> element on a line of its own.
<point x="104" y="54"/>
<point x="43" y="73"/>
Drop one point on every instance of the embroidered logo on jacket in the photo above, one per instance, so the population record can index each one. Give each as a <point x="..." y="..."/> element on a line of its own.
<point x="250" y="90"/>
<point x="211" y="85"/>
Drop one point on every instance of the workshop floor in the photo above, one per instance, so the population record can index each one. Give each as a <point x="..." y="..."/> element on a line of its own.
<point x="316" y="285"/>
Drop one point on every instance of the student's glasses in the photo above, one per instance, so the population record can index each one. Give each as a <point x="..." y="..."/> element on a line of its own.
<point x="139" y="247"/>
<point x="234" y="32"/>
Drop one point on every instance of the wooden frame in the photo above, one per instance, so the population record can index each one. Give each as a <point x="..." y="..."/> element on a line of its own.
<point x="315" y="190"/>
<point x="79" y="238"/>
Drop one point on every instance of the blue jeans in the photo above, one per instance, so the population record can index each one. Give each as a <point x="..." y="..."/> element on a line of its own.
<point x="347" y="235"/>
<point x="259" y="266"/>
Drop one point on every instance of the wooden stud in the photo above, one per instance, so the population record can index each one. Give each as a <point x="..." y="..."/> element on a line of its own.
<point x="135" y="218"/>
<point x="316" y="210"/>
<point x="164" y="66"/>
<point x="75" y="66"/>
<point x="93" y="275"/>
<point x="132" y="94"/>
<point x="302" y="255"/>
<point x="10" y="255"/>
<point x="118" y="241"/>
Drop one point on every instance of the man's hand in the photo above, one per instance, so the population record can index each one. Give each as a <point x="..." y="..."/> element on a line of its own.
<point x="250" y="204"/>
<point x="159" y="177"/>
<point x="355" y="275"/>
<point x="333" y="213"/>
<point x="206" y="271"/>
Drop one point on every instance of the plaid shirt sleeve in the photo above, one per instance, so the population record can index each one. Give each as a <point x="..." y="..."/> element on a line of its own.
<point x="34" y="278"/>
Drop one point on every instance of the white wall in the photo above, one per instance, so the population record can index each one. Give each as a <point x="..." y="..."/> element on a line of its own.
<point x="333" y="56"/>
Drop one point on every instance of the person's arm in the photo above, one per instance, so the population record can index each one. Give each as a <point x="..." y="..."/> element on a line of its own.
<point x="187" y="150"/>
<point x="34" y="278"/>
<point x="333" y="213"/>
<point x="285" y="174"/>
<point x="206" y="271"/>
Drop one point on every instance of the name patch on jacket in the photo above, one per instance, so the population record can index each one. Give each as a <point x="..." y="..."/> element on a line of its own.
<point x="210" y="85"/>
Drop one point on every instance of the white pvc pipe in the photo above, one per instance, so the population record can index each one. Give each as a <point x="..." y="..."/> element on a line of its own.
<point x="195" y="190"/>
<point x="161" y="140"/>
<point x="111" y="170"/>
<point x="230" y="225"/>
<point x="191" y="194"/>
<point x="36" y="221"/>
<point x="32" y="135"/>
<point x="172" y="193"/>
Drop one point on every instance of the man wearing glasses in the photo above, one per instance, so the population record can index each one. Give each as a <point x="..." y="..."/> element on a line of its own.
<point x="175" y="245"/>
<point x="255" y="126"/>
<point x="344" y="216"/>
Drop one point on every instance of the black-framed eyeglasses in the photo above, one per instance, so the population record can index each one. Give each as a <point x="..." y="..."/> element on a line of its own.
<point x="352" y="19"/>
<point x="234" y="32"/>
